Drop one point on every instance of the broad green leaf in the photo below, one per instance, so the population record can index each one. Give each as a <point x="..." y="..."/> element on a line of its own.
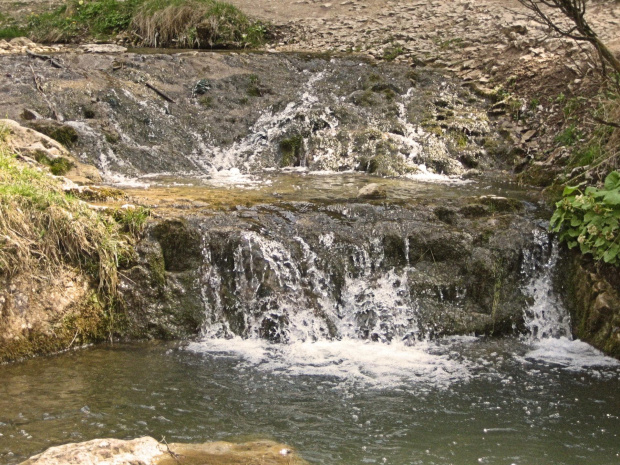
<point x="612" y="181"/>
<point x="599" y="242"/>
<point x="612" y="197"/>
<point x="571" y="244"/>
<point x="610" y="255"/>
<point x="568" y="190"/>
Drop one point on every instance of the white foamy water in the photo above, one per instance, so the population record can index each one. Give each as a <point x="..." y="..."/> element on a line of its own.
<point x="572" y="355"/>
<point x="372" y="364"/>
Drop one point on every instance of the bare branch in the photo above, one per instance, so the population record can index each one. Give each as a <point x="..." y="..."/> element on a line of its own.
<point x="580" y="30"/>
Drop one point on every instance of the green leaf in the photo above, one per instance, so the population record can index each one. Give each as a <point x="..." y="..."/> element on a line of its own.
<point x="576" y="221"/>
<point x="589" y="216"/>
<point x="568" y="190"/>
<point x="610" y="255"/>
<point x="612" y="197"/>
<point x="571" y="244"/>
<point x="612" y="181"/>
<point x="599" y="242"/>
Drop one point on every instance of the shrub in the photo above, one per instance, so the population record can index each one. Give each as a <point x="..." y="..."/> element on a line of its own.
<point x="590" y="219"/>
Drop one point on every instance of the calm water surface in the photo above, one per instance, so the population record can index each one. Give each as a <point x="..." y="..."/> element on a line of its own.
<point x="457" y="401"/>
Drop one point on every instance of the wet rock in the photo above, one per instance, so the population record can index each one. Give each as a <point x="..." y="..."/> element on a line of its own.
<point x="102" y="48"/>
<point x="591" y="292"/>
<point x="336" y="271"/>
<point x="323" y="113"/>
<point x="372" y="191"/>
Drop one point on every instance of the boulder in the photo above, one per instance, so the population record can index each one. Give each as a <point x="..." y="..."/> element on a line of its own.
<point x="372" y="191"/>
<point x="147" y="451"/>
<point x="36" y="145"/>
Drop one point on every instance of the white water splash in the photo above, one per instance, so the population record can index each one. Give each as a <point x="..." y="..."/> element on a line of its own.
<point x="572" y="355"/>
<point x="549" y="324"/>
<point x="371" y="364"/>
<point x="546" y="317"/>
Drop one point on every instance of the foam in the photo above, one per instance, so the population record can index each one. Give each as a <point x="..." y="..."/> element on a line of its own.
<point x="372" y="364"/>
<point x="573" y="355"/>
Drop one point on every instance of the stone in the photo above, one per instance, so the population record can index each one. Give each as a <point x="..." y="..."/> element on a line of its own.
<point x="103" y="48"/>
<point x="40" y="147"/>
<point x="372" y="191"/>
<point x="147" y="451"/>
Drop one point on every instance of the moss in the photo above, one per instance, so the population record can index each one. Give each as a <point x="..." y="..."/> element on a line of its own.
<point x="65" y="135"/>
<point x="91" y="322"/>
<point x="98" y="193"/>
<point x="206" y="101"/>
<point x="58" y="166"/>
<point x="291" y="150"/>
<point x="157" y="269"/>
<point x="111" y="137"/>
<point x="181" y="244"/>
<point x="391" y="53"/>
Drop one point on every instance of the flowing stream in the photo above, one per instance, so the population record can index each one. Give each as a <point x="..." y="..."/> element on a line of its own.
<point x="326" y="317"/>
<point x="540" y="398"/>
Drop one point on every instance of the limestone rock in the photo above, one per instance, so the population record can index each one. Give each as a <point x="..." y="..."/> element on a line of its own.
<point x="103" y="48"/>
<point x="147" y="451"/>
<point x="372" y="191"/>
<point x="34" y="144"/>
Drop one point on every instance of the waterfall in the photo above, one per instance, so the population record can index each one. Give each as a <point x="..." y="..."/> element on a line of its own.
<point x="546" y="317"/>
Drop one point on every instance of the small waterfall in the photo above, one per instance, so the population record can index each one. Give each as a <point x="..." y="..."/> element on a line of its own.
<point x="286" y="292"/>
<point x="318" y="277"/>
<point x="548" y="323"/>
<point x="546" y="317"/>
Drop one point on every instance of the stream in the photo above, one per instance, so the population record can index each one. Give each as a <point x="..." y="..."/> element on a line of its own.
<point x="459" y="400"/>
<point x="420" y="326"/>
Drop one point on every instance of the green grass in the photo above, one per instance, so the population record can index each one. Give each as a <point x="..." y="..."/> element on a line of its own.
<point x="391" y="53"/>
<point x="43" y="228"/>
<point x="569" y="136"/>
<point x="160" y="23"/>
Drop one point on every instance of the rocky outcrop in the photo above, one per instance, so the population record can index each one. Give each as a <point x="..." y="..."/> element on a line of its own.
<point x="592" y="295"/>
<point x="43" y="315"/>
<point x="39" y="147"/>
<point x="147" y="451"/>
<point x="311" y="270"/>
<point x="197" y="113"/>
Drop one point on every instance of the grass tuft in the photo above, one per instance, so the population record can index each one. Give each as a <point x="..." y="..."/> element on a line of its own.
<point x="158" y="23"/>
<point x="43" y="230"/>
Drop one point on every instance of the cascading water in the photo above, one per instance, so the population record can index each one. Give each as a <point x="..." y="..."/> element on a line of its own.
<point x="320" y="304"/>
<point x="546" y="316"/>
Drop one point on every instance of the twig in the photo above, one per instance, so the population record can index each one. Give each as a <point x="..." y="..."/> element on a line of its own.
<point x="37" y="84"/>
<point x="174" y="455"/>
<point x="53" y="62"/>
<point x="606" y="123"/>
<point x="159" y="92"/>
<point x="36" y="80"/>
<point x="73" y="340"/>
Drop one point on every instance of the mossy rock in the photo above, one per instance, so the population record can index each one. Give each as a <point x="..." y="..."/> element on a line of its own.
<point x="61" y="133"/>
<point x="181" y="244"/>
<point x="58" y="166"/>
<point x="291" y="150"/>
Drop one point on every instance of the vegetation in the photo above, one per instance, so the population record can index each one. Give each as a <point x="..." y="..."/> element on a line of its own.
<point x="590" y="218"/>
<point x="43" y="230"/>
<point x="155" y="23"/>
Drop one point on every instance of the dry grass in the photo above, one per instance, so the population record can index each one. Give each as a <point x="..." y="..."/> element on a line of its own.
<point x="195" y="23"/>
<point x="153" y="23"/>
<point x="42" y="228"/>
